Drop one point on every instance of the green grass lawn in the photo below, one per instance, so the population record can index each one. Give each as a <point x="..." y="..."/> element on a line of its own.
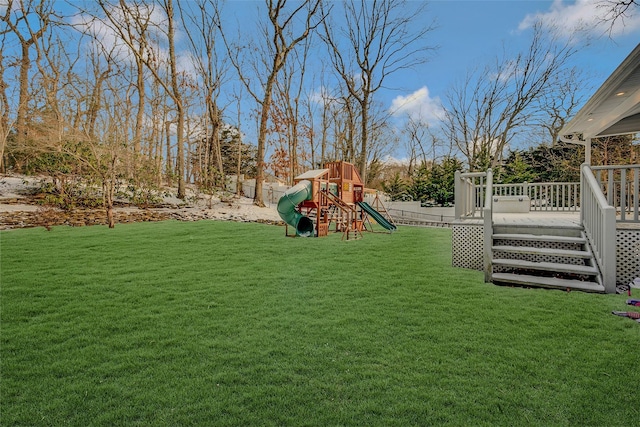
<point x="221" y="323"/>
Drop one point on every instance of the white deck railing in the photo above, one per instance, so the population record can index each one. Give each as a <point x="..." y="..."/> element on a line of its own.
<point x="544" y="196"/>
<point x="470" y="195"/>
<point x="598" y="218"/>
<point x="469" y="192"/>
<point x="621" y="187"/>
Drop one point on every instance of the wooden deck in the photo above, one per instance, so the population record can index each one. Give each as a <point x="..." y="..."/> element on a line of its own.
<point x="542" y="219"/>
<point x="538" y="219"/>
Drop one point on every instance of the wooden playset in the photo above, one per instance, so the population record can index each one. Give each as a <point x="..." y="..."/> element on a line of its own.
<point x="321" y="198"/>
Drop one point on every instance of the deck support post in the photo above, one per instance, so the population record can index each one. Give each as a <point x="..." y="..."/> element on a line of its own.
<point x="458" y="196"/>
<point x="488" y="227"/>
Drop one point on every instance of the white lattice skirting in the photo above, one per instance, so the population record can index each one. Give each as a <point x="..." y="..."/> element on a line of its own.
<point x="627" y="256"/>
<point x="467" y="251"/>
<point x="467" y="246"/>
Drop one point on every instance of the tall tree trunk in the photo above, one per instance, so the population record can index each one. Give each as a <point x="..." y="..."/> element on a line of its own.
<point x="23" y="93"/>
<point x="177" y="98"/>
<point x="137" y="133"/>
<point x="362" y="162"/>
<point x="262" y="137"/>
<point x="168" y="161"/>
<point x="214" y="116"/>
<point x="4" y="113"/>
<point x="293" y="153"/>
<point x="239" y="164"/>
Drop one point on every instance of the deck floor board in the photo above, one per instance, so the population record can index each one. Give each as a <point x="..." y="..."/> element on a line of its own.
<point x="541" y="219"/>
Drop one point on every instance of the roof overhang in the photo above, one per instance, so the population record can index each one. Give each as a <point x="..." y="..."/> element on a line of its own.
<point x="614" y="109"/>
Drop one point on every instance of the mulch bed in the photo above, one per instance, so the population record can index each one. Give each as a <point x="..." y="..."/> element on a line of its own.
<point x="48" y="217"/>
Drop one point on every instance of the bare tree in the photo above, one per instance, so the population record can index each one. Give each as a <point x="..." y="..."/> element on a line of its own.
<point x="136" y="15"/>
<point x="614" y="10"/>
<point x="492" y="105"/>
<point x="27" y="22"/>
<point x="176" y="95"/>
<point x="134" y="27"/>
<point x="280" y="33"/>
<point x="381" y="39"/>
<point x="5" y="123"/>
<point x="211" y="68"/>
<point x="99" y="153"/>
<point x="327" y="101"/>
<point x="238" y="97"/>
<point x="79" y="119"/>
<point x="310" y="106"/>
<point x="102" y="70"/>
<point x="421" y="143"/>
<point x="345" y="120"/>
<point x="289" y="91"/>
<point x="383" y="139"/>
<point x="324" y="126"/>
<point x="158" y="116"/>
<point x="339" y="121"/>
<point x="559" y="104"/>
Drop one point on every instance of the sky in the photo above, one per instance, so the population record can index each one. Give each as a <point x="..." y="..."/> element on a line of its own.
<point x="473" y="32"/>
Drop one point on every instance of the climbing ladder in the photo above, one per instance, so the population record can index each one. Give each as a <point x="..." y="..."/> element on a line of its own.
<point x="346" y="217"/>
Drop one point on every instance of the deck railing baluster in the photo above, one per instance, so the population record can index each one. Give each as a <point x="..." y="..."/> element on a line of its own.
<point x="559" y="196"/>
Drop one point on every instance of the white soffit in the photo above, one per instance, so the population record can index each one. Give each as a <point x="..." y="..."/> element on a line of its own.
<point x="615" y="108"/>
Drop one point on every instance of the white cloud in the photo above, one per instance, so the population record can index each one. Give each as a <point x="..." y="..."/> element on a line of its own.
<point x="418" y="105"/>
<point x="4" y="5"/>
<point x="103" y="36"/>
<point x="322" y="95"/>
<point x="585" y="15"/>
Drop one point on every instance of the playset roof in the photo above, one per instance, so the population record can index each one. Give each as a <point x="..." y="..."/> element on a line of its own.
<point x="312" y="174"/>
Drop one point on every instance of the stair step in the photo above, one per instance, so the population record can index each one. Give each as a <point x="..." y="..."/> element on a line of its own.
<point x="547" y="282"/>
<point x="533" y="227"/>
<point x="540" y="238"/>
<point x="547" y="266"/>
<point x="542" y="251"/>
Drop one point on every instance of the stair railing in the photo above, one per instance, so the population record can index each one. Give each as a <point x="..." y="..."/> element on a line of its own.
<point x="598" y="218"/>
<point x="487" y="233"/>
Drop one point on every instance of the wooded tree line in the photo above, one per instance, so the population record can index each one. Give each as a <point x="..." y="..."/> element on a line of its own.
<point x="165" y="92"/>
<point x="157" y="91"/>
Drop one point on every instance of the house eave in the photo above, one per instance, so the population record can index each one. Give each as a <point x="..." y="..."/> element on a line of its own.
<point x="615" y="107"/>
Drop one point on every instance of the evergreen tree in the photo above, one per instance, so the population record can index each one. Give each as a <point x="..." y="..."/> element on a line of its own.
<point x="396" y="188"/>
<point x="435" y="183"/>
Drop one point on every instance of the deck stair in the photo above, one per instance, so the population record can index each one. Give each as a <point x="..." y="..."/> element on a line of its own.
<point x="550" y="257"/>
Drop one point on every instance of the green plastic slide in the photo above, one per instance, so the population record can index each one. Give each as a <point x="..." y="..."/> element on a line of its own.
<point x="287" y="208"/>
<point x="377" y="216"/>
